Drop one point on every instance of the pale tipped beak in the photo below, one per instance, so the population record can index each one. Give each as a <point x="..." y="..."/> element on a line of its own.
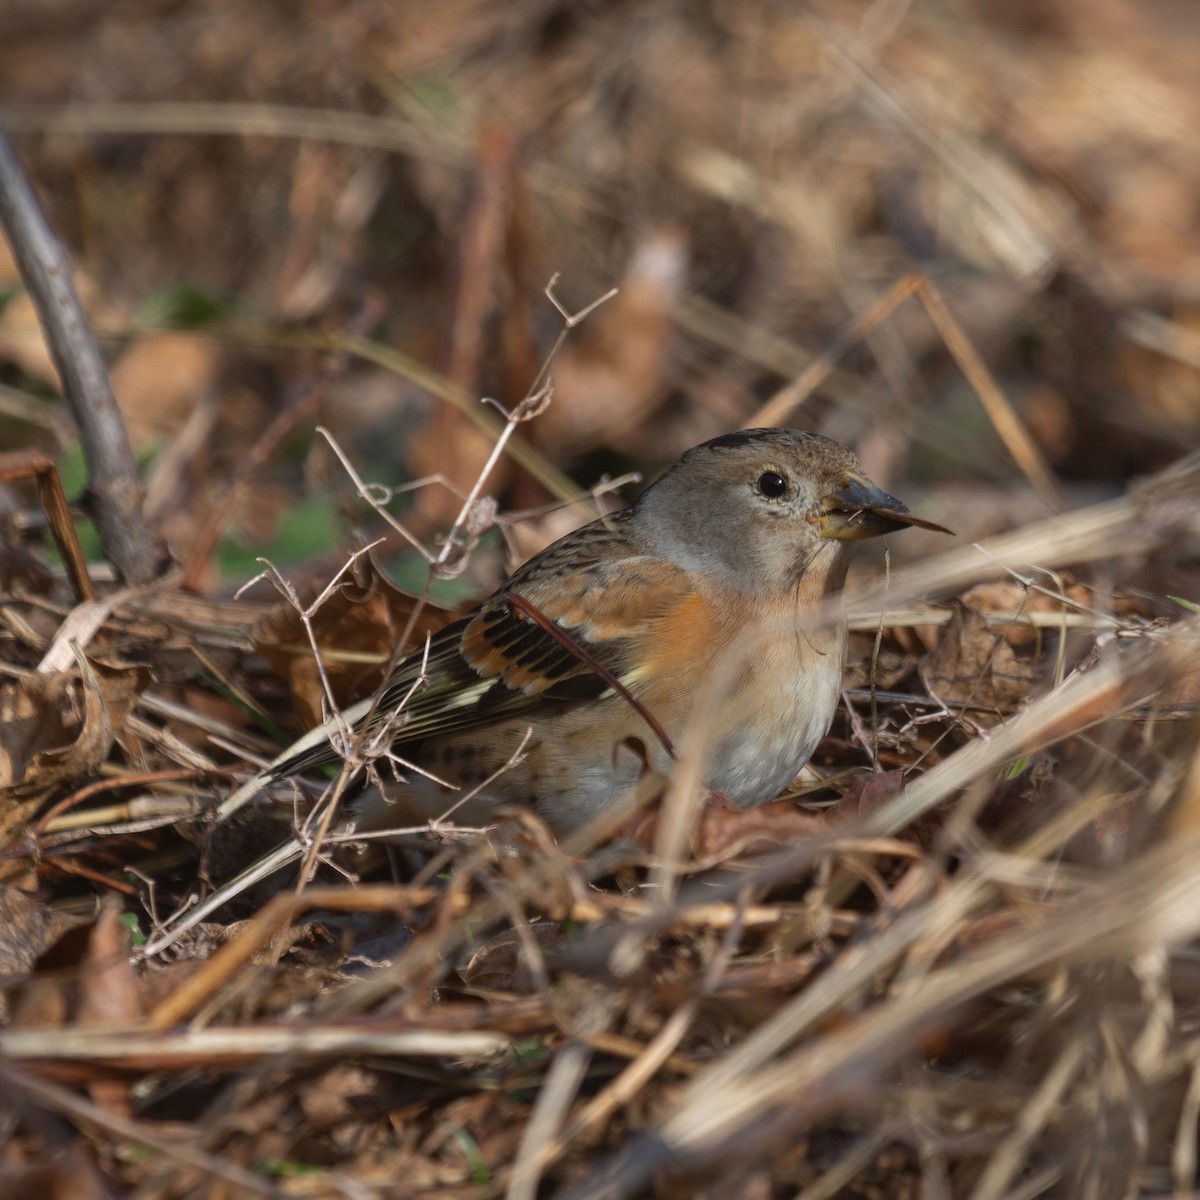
<point x="859" y="509"/>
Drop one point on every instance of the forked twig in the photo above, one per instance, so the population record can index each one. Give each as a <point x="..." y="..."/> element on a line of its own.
<point x="306" y="612"/>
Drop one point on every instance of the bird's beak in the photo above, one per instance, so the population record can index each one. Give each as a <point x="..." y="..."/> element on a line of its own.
<point x="859" y="509"/>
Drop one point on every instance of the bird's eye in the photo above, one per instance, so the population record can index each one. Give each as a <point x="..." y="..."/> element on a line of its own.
<point x="772" y="485"/>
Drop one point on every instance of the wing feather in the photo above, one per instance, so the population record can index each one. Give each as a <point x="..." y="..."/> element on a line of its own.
<point x="497" y="663"/>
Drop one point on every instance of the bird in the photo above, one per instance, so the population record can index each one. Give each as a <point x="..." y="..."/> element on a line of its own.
<point x="590" y="660"/>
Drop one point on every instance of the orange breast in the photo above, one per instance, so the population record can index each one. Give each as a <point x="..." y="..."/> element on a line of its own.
<point x="682" y="640"/>
<point x="752" y="671"/>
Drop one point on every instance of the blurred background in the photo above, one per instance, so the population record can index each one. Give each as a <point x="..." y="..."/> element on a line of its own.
<point x="348" y="211"/>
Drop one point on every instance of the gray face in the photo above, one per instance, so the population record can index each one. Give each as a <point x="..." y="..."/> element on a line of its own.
<point x="749" y="508"/>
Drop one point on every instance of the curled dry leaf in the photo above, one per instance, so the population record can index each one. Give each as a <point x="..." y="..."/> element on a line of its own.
<point x="975" y="665"/>
<point x="55" y="728"/>
<point x="1007" y="596"/>
<point x="725" y="832"/>
<point x="502" y="963"/>
<point x="868" y="793"/>
<point x="357" y="629"/>
<point x="26" y="929"/>
<point x="53" y="948"/>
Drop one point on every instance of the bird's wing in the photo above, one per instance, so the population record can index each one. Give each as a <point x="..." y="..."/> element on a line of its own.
<point x="530" y="643"/>
<point x="599" y="589"/>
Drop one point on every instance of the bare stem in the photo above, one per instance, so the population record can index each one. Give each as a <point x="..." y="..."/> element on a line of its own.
<point x="114" y="487"/>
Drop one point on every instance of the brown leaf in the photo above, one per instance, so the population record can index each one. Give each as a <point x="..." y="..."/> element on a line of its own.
<point x="49" y="996"/>
<point x="362" y="619"/>
<point x="158" y="380"/>
<point x="57" y="727"/>
<point x="725" y="832"/>
<point x="974" y="664"/>
<point x="1004" y="596"/>
<point x="502" y="964"/>
<point x="26" y="928"/>
<point x="338" y="1095"/>
<point x="108" y="988"/>
<point x="108" y="995"/>
<point x="72" y="1177"/>
<point x="868" y="793"/>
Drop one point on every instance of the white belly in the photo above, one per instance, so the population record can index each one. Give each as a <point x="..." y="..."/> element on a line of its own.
<point x="794" y="694"/>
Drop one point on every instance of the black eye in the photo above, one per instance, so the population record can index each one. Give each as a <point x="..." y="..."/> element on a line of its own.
<point x="772" y="485"/>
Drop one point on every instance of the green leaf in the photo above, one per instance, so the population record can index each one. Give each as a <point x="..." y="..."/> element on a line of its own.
<point x="181" y="306"/>
<point x="1017" y="768"/>
<point x="130" y="921"/>
<point x="307" y="530"/>
<point x="480" y="1172"/>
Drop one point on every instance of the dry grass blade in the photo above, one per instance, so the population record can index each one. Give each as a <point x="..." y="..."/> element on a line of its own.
<point x="91" y="1116"/>
<point x="1153" y="901"/>
<point x="783" y="405"/>
<point x="223" y="1047"/>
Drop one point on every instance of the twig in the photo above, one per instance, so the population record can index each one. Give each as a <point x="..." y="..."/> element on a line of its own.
<point x="218" y="119"/>
<point x="114" y="488"/>
<point x="275" y="577"/>
<point x="32" y="464"/>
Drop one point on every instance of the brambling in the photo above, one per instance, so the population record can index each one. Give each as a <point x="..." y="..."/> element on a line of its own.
<point x="603" y="642"/>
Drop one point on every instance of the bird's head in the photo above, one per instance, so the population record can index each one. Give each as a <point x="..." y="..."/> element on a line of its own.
<point x="763" y="508"/>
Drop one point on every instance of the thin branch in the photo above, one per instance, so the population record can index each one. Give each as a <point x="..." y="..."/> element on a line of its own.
<point x="113" y="484"/>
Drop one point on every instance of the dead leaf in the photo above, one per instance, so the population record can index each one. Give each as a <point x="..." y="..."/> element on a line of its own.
<point x="108" y="995"/>
<point x="26" y="929"/>
<point x="340" y="1094"/>
<point x="974" y="664"/>
<point x="726" y="832"/>
<point x="868" y="793"/>
<point x="157" y="381"/>
<point x="1005" y="596"/>
<point x="70" y="1177"/>
<point x="357" y="630"/>
<point x="49" y="996"/>
<point x="502" y="964"/>
<point x="55" y="728"/>
<point x="108" y="988"/>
